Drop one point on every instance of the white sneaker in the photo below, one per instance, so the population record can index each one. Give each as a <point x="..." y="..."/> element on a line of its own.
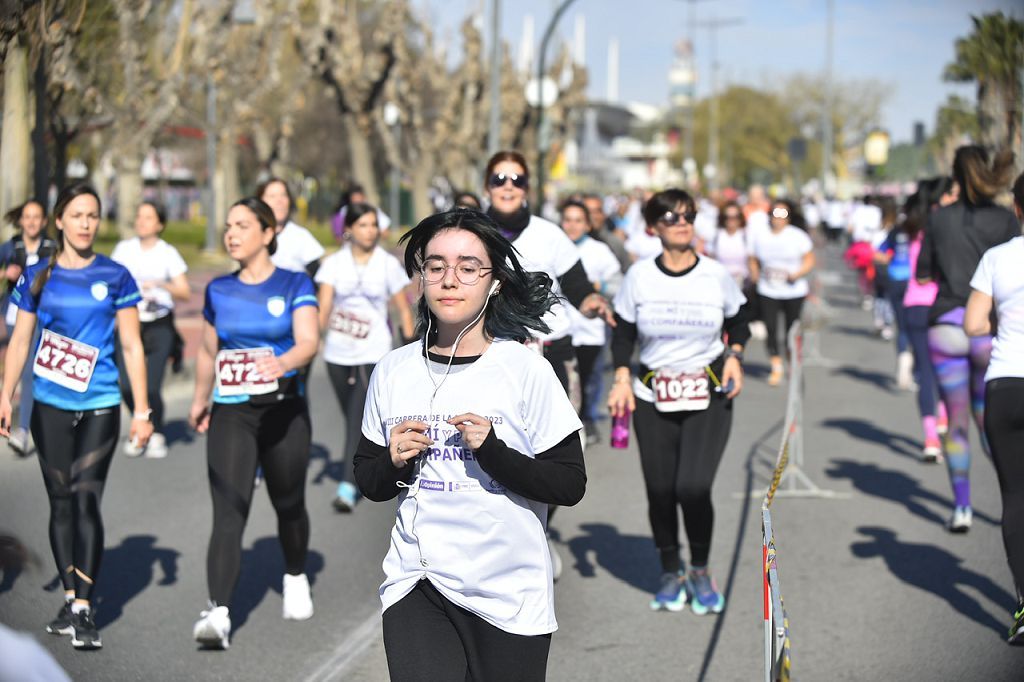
<point x="297" y="603"/>
<point x="156" y="448"/>
<point x="130" y="449"/>
<point x="213" y="627"/>
<point x="556" y="562"/>
<point x="758" y="330"/>
<point x="905" y="371"/>
<point x="18" y="440"/>
<point x="961" y="521"/>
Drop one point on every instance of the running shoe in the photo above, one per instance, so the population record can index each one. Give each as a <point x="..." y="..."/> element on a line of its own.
<point x="130" y="449"/>
<point x="556" y="562"/>
<point x="942" y="421"/>
<point x="156" y="448"/>
<point x="775" y="378"/>
<point x="671" y="595"/>
<point x="961" y="521"/>
<point x="297" y="604"/>
<point x="345" y="498"/>
<point x="703" y="593"/>
<point x="1016" y="634"/>
<point x="259" y="477"/>
<point x="932" y="452"/>
<point x="18" y="441"/>
<point x="84" y="634"/>
<point x="61" y="625"/>
<point x="213" y="628"/>
<point x="593" y="434"/>
<point x="887" y="333"/>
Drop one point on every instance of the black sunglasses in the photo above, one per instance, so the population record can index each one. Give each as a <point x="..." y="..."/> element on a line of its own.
<point x="520" y="181"/>
<point x="672" y="218"/>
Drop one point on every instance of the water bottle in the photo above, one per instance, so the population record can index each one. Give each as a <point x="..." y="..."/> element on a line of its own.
<point x="620" y="431"/>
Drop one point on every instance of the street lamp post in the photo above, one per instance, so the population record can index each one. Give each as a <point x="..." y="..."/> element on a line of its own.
<point x="494" y="130"/>
<point x="713" y="150"/>
<point x="541" y="104"/>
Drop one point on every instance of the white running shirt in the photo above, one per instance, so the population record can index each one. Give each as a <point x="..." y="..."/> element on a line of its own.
<point x="162" y="263"/>
<point x="296" y="247"/>
<point x="780" y="254"/>
<point x="1001" y="276"/>
<point x="601" y="265"/>
<point x="543" y="247"/>
<point x="482" y="546"/>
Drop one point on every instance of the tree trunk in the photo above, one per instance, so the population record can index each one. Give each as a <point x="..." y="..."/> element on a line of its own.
<point x="362" y="158"/>
<point x="226" y="184"/>
<point x="129" y="190"/>
<point x="14" y="142"/>
<point x="991" y="117"/>
<point x="41" y="155"/>
<point x="421" y="176"/>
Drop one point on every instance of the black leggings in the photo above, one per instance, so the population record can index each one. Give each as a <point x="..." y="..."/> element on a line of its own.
<point x="276" y="436"/>
<point x="770" y="309"/>
<point x="158" y="339"/>
<point x="561" y="354"/>
<point x="427" y="638"/>
<point x="350" y="382"/>
<point x="586" y="358"/>
<point x="679" y="455"/>
<point x="75" y="450"/>
<point x="1004" y="427"/>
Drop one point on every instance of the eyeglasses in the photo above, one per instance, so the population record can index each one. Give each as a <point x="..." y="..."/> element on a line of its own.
<point x="519" y="181"/>
<point x="467" y="273"/>
<point x="672" y="218"/>
<point x="780" y="213"/>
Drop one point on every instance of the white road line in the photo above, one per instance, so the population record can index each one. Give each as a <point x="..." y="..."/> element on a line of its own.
<point x="348" y="652"/>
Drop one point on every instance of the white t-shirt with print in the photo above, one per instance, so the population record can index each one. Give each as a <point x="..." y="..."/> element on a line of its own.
<point x="678" y="316"/>
<point x="781" y="254"/>
<point x="601" y="265"/>
<point x="543" y="247"/>
<point x="732" y="251"/>
<point x="296" y="248"/>
<point x="161" y="263"/>
<point x="1001" y="276"/>
<point x="358" y="332"/>
<point x="483" y="547"/>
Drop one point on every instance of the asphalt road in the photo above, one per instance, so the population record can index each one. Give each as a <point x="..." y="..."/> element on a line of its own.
<point x="874" y="586"/>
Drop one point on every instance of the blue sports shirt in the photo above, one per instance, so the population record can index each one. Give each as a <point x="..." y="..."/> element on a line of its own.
<point x="82" y="305"/>
<point x="256" y="315"/>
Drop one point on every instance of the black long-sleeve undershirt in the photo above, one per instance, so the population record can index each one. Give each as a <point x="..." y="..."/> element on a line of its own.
<point x="575" y="284"/>
<point x="555" y="476"/>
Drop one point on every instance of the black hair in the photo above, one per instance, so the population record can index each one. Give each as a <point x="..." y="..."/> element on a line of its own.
<point x="574" y="203"/>
<point x="160" y="209"/>
<point x="732" y="203"/>
<point x="1018" y="191"/>
<point x="523" y="298"/>
<point x="356" y="211"/>
<point x="666" y="201"/>
<point x="13" y="217"/>
<point x="264" y="214"/>
<point x="66" y="196"/>
<point x="796" y="218"/>
<point x="919" y="204"/>
<point x="460" y="201"/>
<point x="263" y="186"/>
<point x="346" y="196"/>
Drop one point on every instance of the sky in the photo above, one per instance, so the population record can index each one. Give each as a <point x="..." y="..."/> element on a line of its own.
<point x="903" y="43"/>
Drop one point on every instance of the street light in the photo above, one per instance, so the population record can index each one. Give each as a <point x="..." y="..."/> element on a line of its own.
<point x="392" y="115"/>
<point x="541" y="104"/>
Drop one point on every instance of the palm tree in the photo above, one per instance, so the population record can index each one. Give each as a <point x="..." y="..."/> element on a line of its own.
<point x="992" y="56"/>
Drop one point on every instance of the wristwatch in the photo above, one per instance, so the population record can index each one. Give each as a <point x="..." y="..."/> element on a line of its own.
<point x="143" y="416"/>
<point x="732" y="353"/>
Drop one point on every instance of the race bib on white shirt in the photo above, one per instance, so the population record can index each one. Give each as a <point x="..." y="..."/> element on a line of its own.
<point x="350" y="324"/>
<point x="681" y="391"/>
<point x="64" y="361"/>
<point x="237" y="374"/>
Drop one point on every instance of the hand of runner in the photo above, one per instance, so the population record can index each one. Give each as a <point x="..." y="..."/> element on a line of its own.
<point x="140" y="431"/>
<point x="621" y="399"/>
<point x="473" y="427"/>
<point x="732" y="371"/>
<point x="596" y="305"/>
<point x="408" y="440"/>
<point x="270" y="367"/>
<point x="199" y="417"/>
<point x="5" y="416"/>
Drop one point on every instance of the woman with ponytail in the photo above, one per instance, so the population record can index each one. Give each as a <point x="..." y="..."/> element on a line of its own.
<point x="78" y="298"/>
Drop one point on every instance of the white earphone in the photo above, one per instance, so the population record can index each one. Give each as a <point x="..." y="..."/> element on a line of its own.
<point x="495" y="288"/>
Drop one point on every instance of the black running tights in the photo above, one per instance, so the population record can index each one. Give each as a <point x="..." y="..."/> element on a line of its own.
<point x="277" y="437"/>
<point x="770" y="309"/>
<point x="75" y="450"/>
<point x="350" y="382"/>
<point x="158" y="339"/>
<point x="429" y="639"/>
<point x="1004" y="427"/>
<point x="679" y="455"/>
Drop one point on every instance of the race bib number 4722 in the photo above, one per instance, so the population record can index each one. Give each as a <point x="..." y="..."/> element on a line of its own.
<point x="680" y="391"/>
<point x="64" y="361"/>
<point x="237" y="373"/>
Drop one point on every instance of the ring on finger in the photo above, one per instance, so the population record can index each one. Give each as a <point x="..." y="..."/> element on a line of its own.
<point x="400" y="448"/>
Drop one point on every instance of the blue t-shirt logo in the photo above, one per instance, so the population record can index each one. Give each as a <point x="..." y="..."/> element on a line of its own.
<point x="99" y="290"/>
<point x="276" y="306"/>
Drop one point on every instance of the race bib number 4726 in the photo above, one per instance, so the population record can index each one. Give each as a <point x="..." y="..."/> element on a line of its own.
<point x="64" y="361"/>
<point x="237" y="374"/>
<point x="680" y="391"/>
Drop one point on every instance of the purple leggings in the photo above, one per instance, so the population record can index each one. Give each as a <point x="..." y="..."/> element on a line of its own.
<point x="960" y="363"/>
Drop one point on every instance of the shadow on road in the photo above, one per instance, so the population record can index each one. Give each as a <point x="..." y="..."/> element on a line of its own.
<point x="262" y="571"/>
<point x="897" y="487"/>
<point x="935" y="570"/>
<point x="879" y="379"/>
<point x="127" y="571"/>
<point x="858" y="428"/>
<point x="855" y="331"/>
<point x="178" y="431"/>
<point x="627" y="557"/>
<point x="328" y="469"/>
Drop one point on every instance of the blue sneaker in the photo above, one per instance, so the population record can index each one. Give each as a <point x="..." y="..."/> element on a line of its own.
<point x="345" y="499"/>
<point x="703" y="593"/>
<point x="671" y="596"/>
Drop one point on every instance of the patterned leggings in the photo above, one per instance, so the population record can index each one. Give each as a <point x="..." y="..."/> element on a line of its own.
<point x="960" y="363"/>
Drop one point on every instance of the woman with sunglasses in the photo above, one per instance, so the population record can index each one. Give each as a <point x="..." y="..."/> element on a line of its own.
<point x="471" y="431"/>
<point x="260" y="329"/>
<point x="780" y="260"/>
<point x="677" y="307"/>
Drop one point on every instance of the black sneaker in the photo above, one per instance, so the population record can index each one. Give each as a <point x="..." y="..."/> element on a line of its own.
<point x="1016" y="634"/>
<point x="84" y="634"/>
<point x="61" y="625"/>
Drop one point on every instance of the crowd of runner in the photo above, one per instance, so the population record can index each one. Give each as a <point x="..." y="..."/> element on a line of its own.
<point x="659" y="292"/>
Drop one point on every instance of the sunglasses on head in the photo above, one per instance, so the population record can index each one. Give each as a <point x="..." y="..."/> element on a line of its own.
<point x="672" y="218"/>
<point x="519" y="181"/>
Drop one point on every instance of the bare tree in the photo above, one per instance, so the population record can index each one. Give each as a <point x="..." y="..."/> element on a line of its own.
<point x="14" y="142"/>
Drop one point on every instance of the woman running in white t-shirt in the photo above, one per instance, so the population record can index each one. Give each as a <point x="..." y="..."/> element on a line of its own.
<point x="780" y="260"/>
<point x="471" y="430"/>
<point x="356" y="284"/>
<point x="297" y="248"/>
<point x="678" y="306"/>
<point x="999" y="283"/>
<point x="159" y="272"/>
